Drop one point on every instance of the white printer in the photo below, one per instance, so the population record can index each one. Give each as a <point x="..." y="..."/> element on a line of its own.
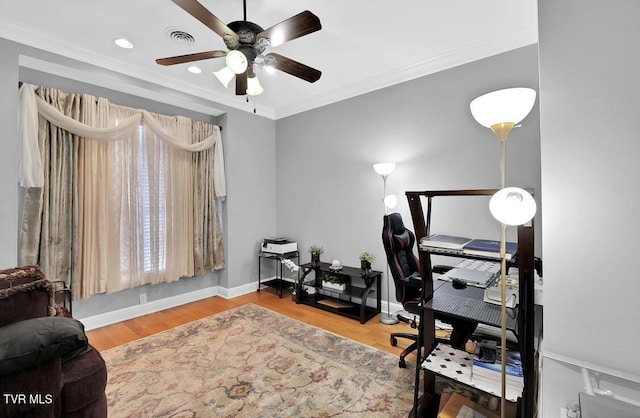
<point x="279" y="245"/>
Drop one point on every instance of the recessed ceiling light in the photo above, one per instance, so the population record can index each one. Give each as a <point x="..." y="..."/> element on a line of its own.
<point x="194" y="69"/>
<point x="123" y="43"/>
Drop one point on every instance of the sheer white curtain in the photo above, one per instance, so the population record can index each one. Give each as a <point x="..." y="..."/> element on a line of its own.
<point x="134" y="190"/>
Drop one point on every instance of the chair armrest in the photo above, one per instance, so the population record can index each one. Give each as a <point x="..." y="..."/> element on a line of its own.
<point x="415" y="280"/>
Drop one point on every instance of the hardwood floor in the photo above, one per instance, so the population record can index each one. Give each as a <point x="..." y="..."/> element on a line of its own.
<point x="372" y="333"/>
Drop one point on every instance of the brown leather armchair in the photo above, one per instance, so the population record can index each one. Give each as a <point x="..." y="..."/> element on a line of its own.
<point x="47" y="367"/>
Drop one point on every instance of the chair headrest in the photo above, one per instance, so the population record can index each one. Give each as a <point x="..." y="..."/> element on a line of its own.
<point x="396" y="224"/>
<point x="397" y="231"/>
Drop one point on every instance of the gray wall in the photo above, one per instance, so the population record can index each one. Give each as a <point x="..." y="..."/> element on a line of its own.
<point x="9" y="155"/>
<point x="590" y="90"/>
<point x="249" y="141"/>
<point x="329" y="194"/>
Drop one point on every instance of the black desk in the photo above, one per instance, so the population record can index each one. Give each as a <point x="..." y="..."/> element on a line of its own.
<point x="468" y="304"/>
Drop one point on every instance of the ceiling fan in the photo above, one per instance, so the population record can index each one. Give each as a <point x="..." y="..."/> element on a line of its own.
<point x="246" y="42"/>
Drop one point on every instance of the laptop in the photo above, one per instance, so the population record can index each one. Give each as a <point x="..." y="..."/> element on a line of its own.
<point x="472" y="277"/>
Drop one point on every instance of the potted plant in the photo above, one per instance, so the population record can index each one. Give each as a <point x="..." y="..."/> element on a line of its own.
<point x="315" y="255"/>
<point x="365" y="262"/>
<point x="335" y="282"/>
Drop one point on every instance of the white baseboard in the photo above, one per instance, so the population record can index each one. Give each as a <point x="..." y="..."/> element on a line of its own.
<point x="130" y="312"/>
<point x="238" y="290"/>
<point x="108" y="318"/>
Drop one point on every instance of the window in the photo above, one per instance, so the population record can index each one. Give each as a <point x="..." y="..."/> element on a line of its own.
<point x="154" y="245"/>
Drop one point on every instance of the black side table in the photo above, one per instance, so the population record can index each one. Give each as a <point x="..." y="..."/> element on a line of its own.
<point x="279" y="281"/>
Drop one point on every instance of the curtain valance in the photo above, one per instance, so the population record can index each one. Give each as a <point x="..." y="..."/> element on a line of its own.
<point x="31" y="167"/>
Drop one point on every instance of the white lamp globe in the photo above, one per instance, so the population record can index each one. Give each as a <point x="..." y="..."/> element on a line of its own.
<point x="236" y="61"/>
<point x="512" y="206"/>
<point x="503" y="106"/>
<point x="384" y="169"/>
<point x="391" y="201"/>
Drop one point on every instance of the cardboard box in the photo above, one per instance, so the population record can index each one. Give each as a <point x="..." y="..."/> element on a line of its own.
<point x="459" y="406"/>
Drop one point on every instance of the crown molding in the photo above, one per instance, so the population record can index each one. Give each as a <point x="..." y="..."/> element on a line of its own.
<point x="105" y="72"/>
<point x="471" y="52"/>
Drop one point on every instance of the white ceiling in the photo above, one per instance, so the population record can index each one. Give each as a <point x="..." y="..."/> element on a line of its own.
<point x="364" y="45"/>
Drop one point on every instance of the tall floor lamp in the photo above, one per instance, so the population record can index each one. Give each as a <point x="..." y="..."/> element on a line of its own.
<point x="500" y="111"/>
<point x="384" y="170"/>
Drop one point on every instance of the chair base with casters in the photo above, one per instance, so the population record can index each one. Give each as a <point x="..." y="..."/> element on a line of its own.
<point x="459" y="337"/>
<point x="412" y="319"/>
<point x="402" y="363"/>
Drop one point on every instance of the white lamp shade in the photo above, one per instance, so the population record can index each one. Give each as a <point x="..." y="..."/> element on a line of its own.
<point x="391" y="201"/>
<point x="384" y="169"/>
<point x="512" y="206"/>
<point x="503" y="106"/>
<point x="253" y="86"/>
<point x="236" y="61"/>
<point x="224" y="76"/>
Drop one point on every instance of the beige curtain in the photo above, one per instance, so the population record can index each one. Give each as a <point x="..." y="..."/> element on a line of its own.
<point x="139" y="215"/>
<point x="208" y="250"/>
<point x="49" y="222"/>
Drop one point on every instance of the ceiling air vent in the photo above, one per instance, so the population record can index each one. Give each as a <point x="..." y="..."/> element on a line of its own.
<point x="180" y="36"/>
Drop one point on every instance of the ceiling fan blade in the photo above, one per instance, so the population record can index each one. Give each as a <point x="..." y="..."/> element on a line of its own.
<point x="190" y="57"/>
<point x="294" y="68"/>
<point x="241" y="83"/>
<point x="198" y="11"/>
<point x="296" y="26"/>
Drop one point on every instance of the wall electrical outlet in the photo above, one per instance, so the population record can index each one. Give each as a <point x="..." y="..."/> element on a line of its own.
<point x="143" y="298"/>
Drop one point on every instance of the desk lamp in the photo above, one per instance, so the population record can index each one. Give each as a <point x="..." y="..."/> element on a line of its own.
<point x="384" y="170"/>
<point x="500" y="111"/>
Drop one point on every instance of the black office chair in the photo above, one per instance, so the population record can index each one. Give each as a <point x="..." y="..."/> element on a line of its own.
<point x="398" y="244"/>
<point x="404" y="266"/>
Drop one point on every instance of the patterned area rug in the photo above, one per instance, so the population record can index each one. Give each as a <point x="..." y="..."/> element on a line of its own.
<point x="253" y="362"/>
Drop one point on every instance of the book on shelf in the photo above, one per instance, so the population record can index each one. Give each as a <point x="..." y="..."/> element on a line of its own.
<point x="487" y="363"/>
<point x="450" y="242"/>
<point x="489" y="248"/>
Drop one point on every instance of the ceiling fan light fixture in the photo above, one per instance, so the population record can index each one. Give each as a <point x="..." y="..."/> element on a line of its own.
<point x="277" y="38"/>
<point x="224" y="76"/>
<point x="253" y="86"/>
<point x="246" y="42"/>
<point x="236" y="61"/>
